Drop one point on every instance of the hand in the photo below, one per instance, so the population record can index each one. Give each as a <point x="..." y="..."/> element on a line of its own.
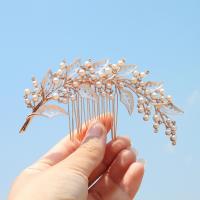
<point x="85" y="169"/>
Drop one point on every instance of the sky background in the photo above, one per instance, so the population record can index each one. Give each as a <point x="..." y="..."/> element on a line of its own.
<point x="162" y="36"/>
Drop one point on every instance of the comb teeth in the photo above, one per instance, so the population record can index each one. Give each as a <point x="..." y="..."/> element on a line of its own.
<point x="94" y="89"/>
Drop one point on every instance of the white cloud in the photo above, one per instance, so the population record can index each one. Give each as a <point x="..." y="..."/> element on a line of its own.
<point x="194" y="98"/>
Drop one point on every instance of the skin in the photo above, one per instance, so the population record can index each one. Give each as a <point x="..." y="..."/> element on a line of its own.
<point x="87" y="168"/>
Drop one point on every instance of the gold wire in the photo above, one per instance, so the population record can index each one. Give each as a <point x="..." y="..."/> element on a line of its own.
<point x="69" y="120"/>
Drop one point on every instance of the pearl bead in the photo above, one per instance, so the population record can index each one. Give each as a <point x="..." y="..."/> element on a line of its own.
<point x="156" y="118"/>
<point x="173" y="142"/>
<point x="162" y="91"/>
<point x="92" y="70"/>
<point x="141" y="100"/>
<point x="168" y="131"/>
<point x="75" y="83"/>
<point x="64" y="100"/>
<point x="35" y="98"/>
<point x="27" y="91"/>
<point x="98" y="84"/>
<point x="59" y="72"/>
<point x="173" y="128"/>
<point x="146" y="117"/>
<point x="35" y="83"/>
<point x="134" y="80"/>
<point x="121" y="62"/>
<point x="115" y="67"/>
<point x="173" y="138"/>
<point x="27" y="101"/>
<point x="139" y="90"/>
<point x="121" y="84"/>
<point x="103" y="94"/>
<point x="154" y="95"/>
<point x="108" y="70"/>
<point x="136" y="74"/>
<point x="62" y="65"/>
<point x="140" y="109"/>
<point x="169" y="98"/>
<point x="147" y="92"/>
<point x="88" y="64"/>
<point x="142" y="74"/>
<point x="156" y="125"/>
<point x="55" y="96"/>
<point x="55" y="80"/>
<point x="109" y="85"/>
<point x="81" y="72"/>
<point x="93" y="77"/>
<point x="148" y="107"/>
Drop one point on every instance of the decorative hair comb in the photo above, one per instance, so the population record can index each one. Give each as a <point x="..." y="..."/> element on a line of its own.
<point x="93" y="89"/>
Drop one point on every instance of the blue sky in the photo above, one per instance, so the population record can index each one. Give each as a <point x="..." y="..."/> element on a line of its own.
<point x="162" y="36"/>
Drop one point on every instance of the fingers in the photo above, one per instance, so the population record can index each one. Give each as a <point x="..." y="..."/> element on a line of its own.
<point x="109" y="185"/>
<point x="133" y="178"/>
<point x="112" y="150"/>
<point x="90" y="153"/>
<point x="66" y="147"/>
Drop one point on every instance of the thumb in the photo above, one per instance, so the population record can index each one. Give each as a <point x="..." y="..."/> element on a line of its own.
<point x="90" y="153"/>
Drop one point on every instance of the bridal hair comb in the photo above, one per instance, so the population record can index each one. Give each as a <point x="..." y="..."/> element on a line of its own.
<point x="93" y="89"/>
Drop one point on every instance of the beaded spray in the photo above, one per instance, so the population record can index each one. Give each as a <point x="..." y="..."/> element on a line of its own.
<point x="93" y="89"/>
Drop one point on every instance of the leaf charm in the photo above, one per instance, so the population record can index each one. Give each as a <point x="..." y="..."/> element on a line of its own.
<point x="86" y="91"/>
<point x="49" y="111"/>
<point x="127" y="99"/>
<point x="171" y="109"/>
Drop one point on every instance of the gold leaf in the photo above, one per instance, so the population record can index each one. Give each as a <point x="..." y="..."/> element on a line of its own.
<point x="171" y="109"/>
<point x="49" y="111"/>
<point x="127" y="99"/>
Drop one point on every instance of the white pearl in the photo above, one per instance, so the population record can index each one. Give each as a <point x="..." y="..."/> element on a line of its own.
<point x="148" y="107"/>
<point x="62" y="65"/>
<point x="55" y="96"/>
<point x="109" y="85"/>
<point x="35" y="83"/>
<point x="162" y="91"/>
<point x="81" y="72"/>
<point x="98" y="84"/>
<point x="168" y="131"/>
<point x="141" y="100"/>
<point x="154" y="95"/>
<point x="64" y="100"/>
<point x="59" y="72"/>
<point x="121" y="62"/>
<point x="147" y="92"/>
<point x="173" y="138"/>
<point x="169" y="98"/>
<point x="139" y="90"/>
<point x="142" y="74"/>
<point x="121" y="84"/>
<point x="156" y="125"/>
<point x="75" y="84"/>
<point x="93" y="76"/>
<point x="108" y="70"/>
<point x="146" y="117"/>
<point x="156" y="118"/>
<point x="27" y="101"/>
<point x="88" y="63"/>
<point x="55" y="80"/>
<point x="103" y="94"/>
<point x="91" y="70"/>
<point x="136" y="74"/>
<point x="140" y="109"/>
<point x="27" y="91"/>
<point x="111" y="96"/>
<point x="115" y="67"/>
<point x="35" y="98"/>
<point x="134" y="80"/>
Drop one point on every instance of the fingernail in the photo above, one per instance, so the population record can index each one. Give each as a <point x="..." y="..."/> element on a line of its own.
<point x="142" y="161"/>
<point x="97" y="129"/>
